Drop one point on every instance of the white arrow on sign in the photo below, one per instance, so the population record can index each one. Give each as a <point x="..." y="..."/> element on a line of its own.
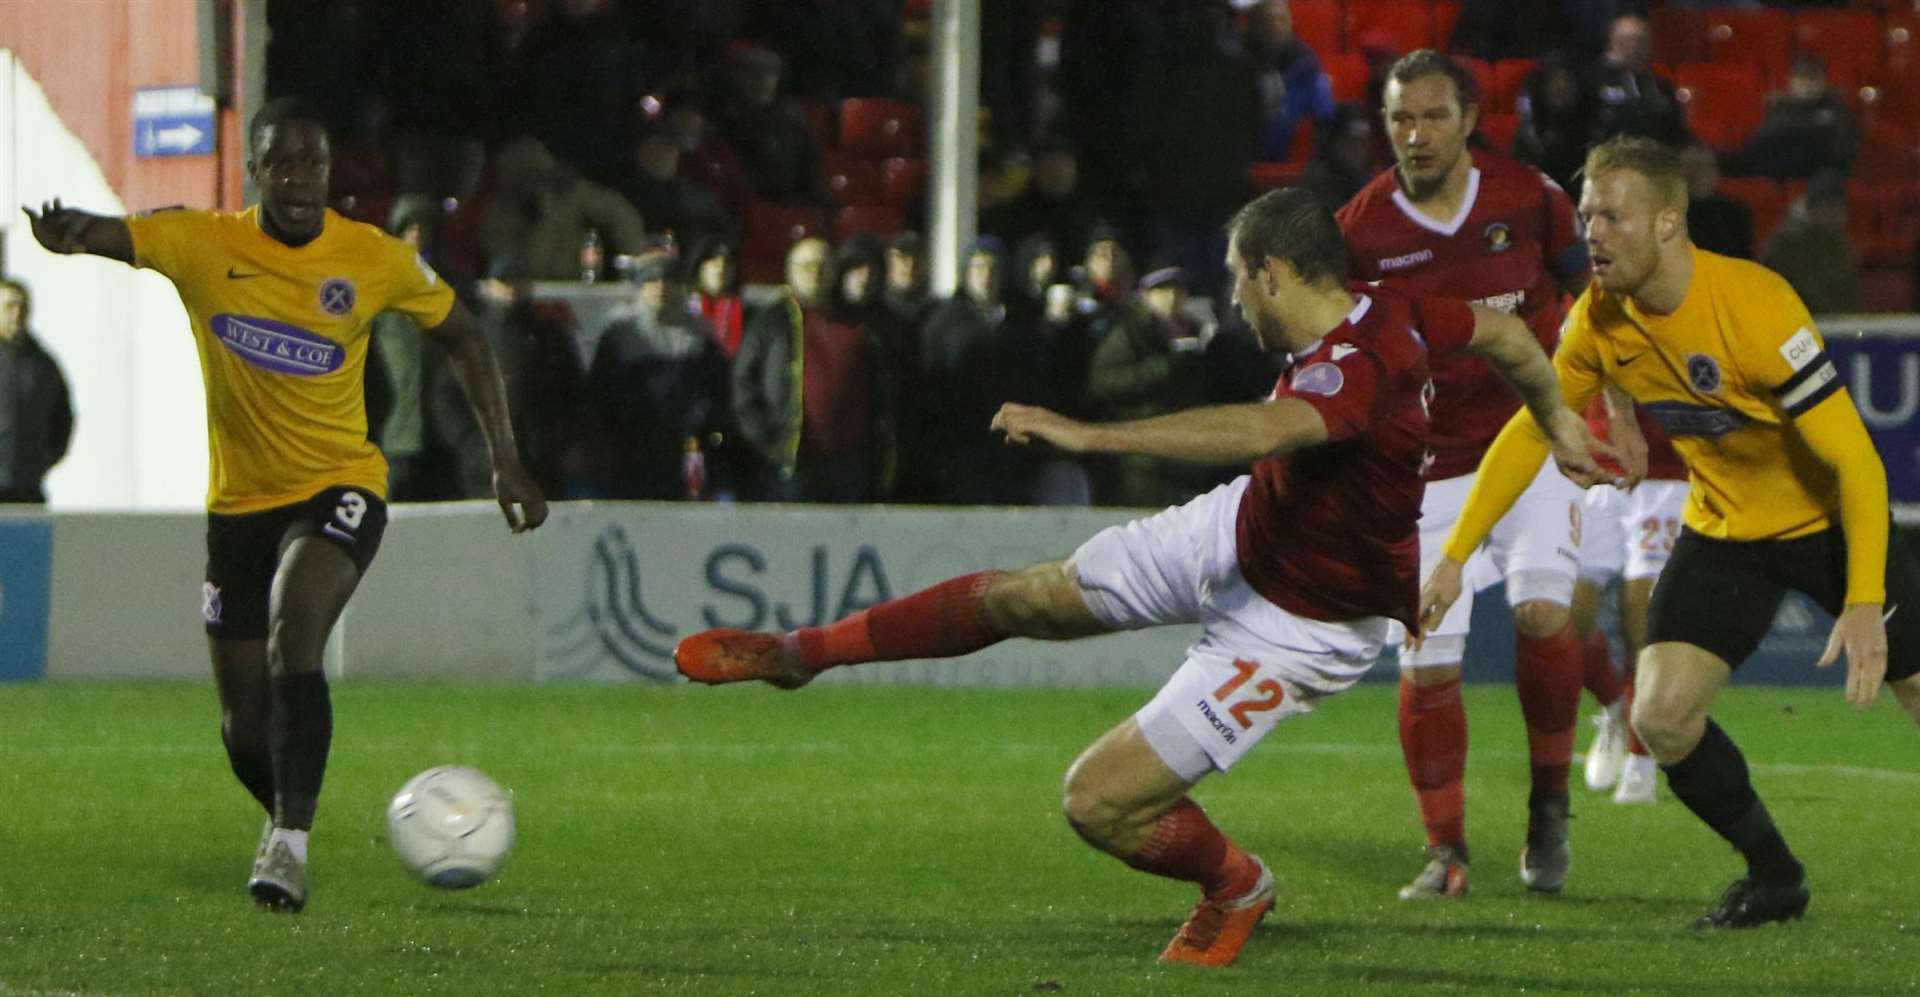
<point x="180" y="136"/>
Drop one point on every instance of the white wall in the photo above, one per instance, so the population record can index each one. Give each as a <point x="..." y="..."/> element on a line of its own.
<point x="121" y="335"/>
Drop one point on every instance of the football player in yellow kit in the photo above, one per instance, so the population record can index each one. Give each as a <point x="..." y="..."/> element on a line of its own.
<point x="281" y="297"/>
<point x="1786" y="492"/>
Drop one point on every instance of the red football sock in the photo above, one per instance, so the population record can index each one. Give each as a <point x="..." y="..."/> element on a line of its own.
<point x="1547" y="676"/>
<point x="1433" y="736"/>
<point x="1602" y="679"/>
<point x="1634" y="747"/>
<point x="938" y="622"/>
<point x="1186" y="845"/>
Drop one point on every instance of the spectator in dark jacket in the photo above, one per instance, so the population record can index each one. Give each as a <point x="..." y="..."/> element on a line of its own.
<point x="1149" y="363"/>
<point x="809" y="392"/>
<point x="658" y="380"/>
<point x="1812" y="251"/>
<point x="1715" y="222"/>
<point x="1626" y="96"/>
<point x="1293" y="87"/>
<point x="1555" y="120"/>
<point x="906" y="292"/>
<point x="1808" y="130"/>
<point x="1343" y="162"/>
<point x="667" y="201"/>
<point x="36" y="414"/>
<point x="1045" y="357"/>
<point x="1052" y="205"/>
<point x="767" y="133"/>
<point x="948" y="454"/>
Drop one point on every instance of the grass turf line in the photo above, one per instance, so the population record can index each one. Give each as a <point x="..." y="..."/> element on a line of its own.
<point x="889" y="840"/>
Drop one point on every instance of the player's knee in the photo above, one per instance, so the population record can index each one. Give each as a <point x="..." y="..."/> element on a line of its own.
<point x="244" y="731"/>
<point x="1540" y="618"/>
<point x="292" y="651"/>
<point x="1668" y="732"/>
<point x="1031" y="603"/>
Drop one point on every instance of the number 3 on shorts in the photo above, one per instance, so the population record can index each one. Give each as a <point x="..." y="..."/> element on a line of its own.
<point x="352" y="507"/>
<point x="1270" y="694"/>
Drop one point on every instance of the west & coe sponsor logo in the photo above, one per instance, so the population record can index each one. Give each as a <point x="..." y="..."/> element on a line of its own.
<point x="278" y="346"/>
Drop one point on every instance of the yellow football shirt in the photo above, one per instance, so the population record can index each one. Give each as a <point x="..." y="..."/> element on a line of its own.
<point x="1724" y="375"/>
<point x="283" y="335"/>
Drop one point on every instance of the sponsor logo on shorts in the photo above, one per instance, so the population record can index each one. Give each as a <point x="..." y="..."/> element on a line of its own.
<point x="1227" y="733"/>
<point x="278" y="346"/>
<point x="337" y="296"/>
<point x="210" y="602"/>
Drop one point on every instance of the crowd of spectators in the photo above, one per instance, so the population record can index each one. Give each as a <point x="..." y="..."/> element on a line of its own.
<point x="641" y="144"/>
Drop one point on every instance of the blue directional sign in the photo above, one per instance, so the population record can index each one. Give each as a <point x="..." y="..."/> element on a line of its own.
<point x="172" y="121"/>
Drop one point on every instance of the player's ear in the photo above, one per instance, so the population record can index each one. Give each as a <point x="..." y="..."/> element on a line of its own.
<point x="1667" y="224"/>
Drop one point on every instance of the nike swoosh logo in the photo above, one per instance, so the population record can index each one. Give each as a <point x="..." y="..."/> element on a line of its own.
<point x="233" y="274"/>
<point x="1890" y="611"/>
<point x="1623" y="361"/>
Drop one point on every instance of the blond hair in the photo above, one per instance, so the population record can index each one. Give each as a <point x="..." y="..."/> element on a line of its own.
<point x="1656" y="162"/>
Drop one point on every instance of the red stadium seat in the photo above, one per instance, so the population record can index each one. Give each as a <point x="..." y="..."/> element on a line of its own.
<point x="1317" y="24"/>
<point x="905" y="180"/>
<point x="1679" y="35"/>
<point x="1877" y="221"/>
<point x="772" y="229"/>
<point x="1267" y="176"/>
<point x="1893" y="96"/>
<point x="819" y="121"/>
<point x="1510" y="82"/>
<point x="1409" y="22"/>
<point x="854" y="179"/>
<point x="1445" y="14"/>
<point x="1887" y="153"/>
<point x="1903" y="40"/>
<point x="881" y="127"/>
<point x="1482" y="71"/>
<point x="1849" y="38"/>
<point x="1349" y="74"/>
<point x="1765" y="198"/>
<point x="1724" y="101"/>
<point x="883" y="220"/>
<point x="1762" y="38"/>
<point x="1499" y="130"/>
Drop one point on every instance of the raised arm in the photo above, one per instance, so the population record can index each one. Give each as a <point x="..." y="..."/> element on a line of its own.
<point x="1217" y="435"/>
<point x="473" y="364"/>
<point x="1508" y="344"/>
<point x="65" y="230"/>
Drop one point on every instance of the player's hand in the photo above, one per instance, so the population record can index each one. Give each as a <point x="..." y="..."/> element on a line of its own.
<point x="520" y="497"/>
<point x="58" y="228"/>
<point x="1860" y="632"/>
<point x="1437" y="595"/>
<point x="1574" y="449"/>
<point x="1028" y="423"/>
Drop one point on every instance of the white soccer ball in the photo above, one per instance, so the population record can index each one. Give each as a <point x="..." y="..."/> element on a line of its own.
<point x="451" y="826"/>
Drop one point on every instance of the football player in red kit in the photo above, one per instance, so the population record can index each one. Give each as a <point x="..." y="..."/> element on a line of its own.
<point x="1469" y="224"/>
<point x="1296" y="572"/>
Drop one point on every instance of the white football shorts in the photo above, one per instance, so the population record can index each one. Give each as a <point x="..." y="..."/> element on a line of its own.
<point x="1533" y="548"/>
<point x="1630" y="534"/>
<point x="1254" y="665"/>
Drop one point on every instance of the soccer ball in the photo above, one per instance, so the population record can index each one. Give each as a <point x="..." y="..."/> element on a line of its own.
<point x="451" y="826"/>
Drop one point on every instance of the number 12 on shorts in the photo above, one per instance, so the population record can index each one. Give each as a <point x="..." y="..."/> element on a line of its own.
<point x="1265" y="695"/>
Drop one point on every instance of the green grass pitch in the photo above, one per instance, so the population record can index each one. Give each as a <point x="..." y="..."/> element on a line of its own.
<point x="894" y="840"/>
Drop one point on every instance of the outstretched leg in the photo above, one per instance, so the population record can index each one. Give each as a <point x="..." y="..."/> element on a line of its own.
<point x="956" y="617"/>
<point x="1121" y="797"/>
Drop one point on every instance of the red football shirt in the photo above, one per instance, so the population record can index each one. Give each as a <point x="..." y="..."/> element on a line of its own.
<point x="1512" y="242"/>
<point x="1331" y="532"/>
<point x="1662" y="463"/>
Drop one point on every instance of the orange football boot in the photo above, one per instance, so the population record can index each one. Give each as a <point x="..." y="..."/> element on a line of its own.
<point x="1217" y="929"/>
<point x="716" y="657"/>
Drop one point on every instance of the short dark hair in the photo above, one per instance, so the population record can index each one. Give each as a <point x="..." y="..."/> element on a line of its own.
<point x="279" y="111"/>
<point x="1292" y="225"/>
<point x="1426" y="62"/>
<point x="26" y="296"/>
